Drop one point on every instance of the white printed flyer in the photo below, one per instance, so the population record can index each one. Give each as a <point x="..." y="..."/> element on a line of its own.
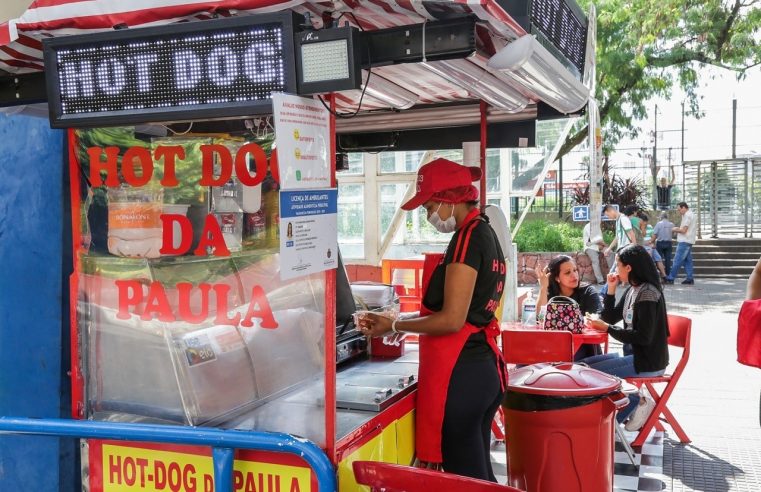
<point x="302" y="139"/>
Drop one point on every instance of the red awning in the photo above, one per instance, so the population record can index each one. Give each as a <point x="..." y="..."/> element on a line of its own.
<point x="21" y="47"/>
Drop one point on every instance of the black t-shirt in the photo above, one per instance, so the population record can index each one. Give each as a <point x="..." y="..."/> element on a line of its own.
<point x="476" y="245"/>
<point x="664" y="195"/>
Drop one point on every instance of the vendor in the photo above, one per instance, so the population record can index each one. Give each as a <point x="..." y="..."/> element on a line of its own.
<point x="462" y="377"/>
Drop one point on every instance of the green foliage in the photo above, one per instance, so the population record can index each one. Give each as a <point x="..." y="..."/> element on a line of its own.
<point x="616" y="190"/>
<point x="541" y="236"/>
<point x="644" y="47"/>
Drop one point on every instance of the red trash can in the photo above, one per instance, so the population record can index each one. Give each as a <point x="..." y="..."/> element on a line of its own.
<point x="559" y="419"/>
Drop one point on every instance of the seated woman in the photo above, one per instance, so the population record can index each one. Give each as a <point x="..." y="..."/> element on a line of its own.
<point x="561" y="278"/>
<point x="643" y="311"/>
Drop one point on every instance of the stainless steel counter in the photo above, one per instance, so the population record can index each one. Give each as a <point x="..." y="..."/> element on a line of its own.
<point x="302" y="411"/>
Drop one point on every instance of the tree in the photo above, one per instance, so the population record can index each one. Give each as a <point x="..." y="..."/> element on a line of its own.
<point x="645" y="46"/>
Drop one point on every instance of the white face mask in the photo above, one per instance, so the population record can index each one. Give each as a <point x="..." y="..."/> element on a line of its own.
<point x="444" y="226"/>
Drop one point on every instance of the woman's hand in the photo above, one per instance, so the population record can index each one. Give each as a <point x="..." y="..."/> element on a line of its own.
<point x="542" y="275"/>
<point x="373" y="325"/>
<point x="612" y="282"/>
<point x="597" y="324"/>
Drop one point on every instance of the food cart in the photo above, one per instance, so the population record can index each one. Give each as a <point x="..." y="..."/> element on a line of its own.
<point x="207" y="286"/>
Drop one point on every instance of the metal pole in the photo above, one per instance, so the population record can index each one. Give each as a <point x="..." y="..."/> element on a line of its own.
<point x="559" y="188"/>
<point x="734" y="128"/>
<point x="714" y="200"/>
<point x="747" y="197"/>
<point x="654" y="168"/>
<point x="682" y="145"/>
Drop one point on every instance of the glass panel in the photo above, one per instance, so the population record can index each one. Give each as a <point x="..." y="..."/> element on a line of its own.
<point x="351" y="220"/>
<point x="528" y="164"/>
<point x="492" y="170"/>
<point x="186" y="332"/>
<point x="356" y="164"/>
<point x="416" y="235"/>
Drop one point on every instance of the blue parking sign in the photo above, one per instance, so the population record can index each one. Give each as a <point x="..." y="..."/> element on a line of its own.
<point x="580" y="213"/>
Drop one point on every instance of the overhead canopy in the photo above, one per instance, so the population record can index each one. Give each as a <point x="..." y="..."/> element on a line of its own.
<point x="426" y="83"/>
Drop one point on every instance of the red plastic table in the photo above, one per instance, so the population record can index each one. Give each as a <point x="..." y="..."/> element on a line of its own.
<point x="587" y="336"/>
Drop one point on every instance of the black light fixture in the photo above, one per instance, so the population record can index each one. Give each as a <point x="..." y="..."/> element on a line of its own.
<point x="328" y="60"/>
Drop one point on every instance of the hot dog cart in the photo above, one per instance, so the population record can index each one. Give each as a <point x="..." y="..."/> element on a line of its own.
<point x="187" y="307"/>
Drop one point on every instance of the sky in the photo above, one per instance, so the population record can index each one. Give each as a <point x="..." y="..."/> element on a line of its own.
<point x="709" y="137"/>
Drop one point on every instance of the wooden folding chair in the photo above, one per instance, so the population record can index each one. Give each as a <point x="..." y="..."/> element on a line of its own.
<point x="388" y="477"/>
<point x="680" y="329"/>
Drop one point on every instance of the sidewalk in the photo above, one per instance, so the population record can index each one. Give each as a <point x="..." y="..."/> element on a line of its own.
<point x="717" y="399"/>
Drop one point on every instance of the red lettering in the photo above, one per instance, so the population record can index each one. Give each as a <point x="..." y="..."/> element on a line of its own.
<point x="175" y="477"/>
<point x="142" y="463"/>
<point x="114" y="469"/>
<point x="263" y="312"/>
<point x="167" y="240"/>
<point x="109" y="166"/>
<point x="225" y="162"/>
<point x="221" y="291"/>
<point x="211" y="237"/>
<point x="142" y="157"/>
<point x="157" y="303"/>
<point x="295" y="485"/>
<point x="184" y="290"/>
<point x="500" y="286"/>
<point x="124" y="287"/>
<point x="502" y="268"/>
<point x="169" y="153"/>
<point x="208" y="483"/>
<point x="495" y="265"/>
<point x="159" y="474"/>
<point x="237" y="480"/>
<point x="260" y="164"/>
<point x="251" y="484"/>
<point x="189" y="479"/>
<point x="130" y="473"/>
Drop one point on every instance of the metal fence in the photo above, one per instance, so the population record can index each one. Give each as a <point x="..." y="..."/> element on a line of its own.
<point x="725" y="196"/>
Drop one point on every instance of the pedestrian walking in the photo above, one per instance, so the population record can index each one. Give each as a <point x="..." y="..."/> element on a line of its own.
<point x="663" y="235"/>
<point x="685" y="238"/>
<point x="593" y="246"/>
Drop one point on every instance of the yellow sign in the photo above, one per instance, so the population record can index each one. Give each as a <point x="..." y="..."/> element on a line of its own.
<point x="128" y="469"/>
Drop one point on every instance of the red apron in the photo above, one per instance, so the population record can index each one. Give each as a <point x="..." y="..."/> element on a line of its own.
<point x="438" y="355"/>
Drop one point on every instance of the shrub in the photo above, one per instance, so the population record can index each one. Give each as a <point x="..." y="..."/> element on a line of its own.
<point x="543" y="236"/>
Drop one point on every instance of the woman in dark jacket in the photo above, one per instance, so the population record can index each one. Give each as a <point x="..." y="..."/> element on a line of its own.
<point x="643" y="311"/>
<point x="561" y="278"/>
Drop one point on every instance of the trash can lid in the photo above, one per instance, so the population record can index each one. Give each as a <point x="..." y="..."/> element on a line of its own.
<point x="563" y="379"/>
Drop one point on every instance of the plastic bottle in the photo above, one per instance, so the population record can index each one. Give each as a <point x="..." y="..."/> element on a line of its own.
<point x="529" y="309"/>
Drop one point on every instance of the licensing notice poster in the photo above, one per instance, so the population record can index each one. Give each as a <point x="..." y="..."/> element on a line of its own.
<point x="302" y="137"/>
<point x="308" y="232"/>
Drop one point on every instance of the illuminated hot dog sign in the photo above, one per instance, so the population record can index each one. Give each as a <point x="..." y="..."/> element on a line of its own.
<point x="197" y="70"/>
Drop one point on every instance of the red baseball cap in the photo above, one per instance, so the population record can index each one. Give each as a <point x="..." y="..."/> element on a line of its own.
<point x="440" y="175"/>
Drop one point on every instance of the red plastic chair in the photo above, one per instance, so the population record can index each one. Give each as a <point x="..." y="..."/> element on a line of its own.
<point x="388" y="477"/>
<point x="680" y="329"/>
<point x="409" y="296"/>
<point x="530" y="347"/>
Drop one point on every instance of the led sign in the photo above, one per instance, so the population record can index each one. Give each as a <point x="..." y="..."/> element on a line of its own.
<point x="202" y="70"/>
<point x="560" y="25"/>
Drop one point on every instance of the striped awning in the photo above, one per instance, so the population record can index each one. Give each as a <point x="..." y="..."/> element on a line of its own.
<point x="21" y="46"/>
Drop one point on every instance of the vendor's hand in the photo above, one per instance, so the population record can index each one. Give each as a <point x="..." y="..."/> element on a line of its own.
<point x="542" y="275"/>
<point x="597" y="324"/>
<point x="373" y="325"/>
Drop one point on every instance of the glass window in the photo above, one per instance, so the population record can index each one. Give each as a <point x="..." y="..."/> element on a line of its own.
<point x="356" y="164"/>
<point x="412" y="161"/>
<point x="492" y="170"/>
<point x="387" y="162"/>
<point x="351" y="220"/>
